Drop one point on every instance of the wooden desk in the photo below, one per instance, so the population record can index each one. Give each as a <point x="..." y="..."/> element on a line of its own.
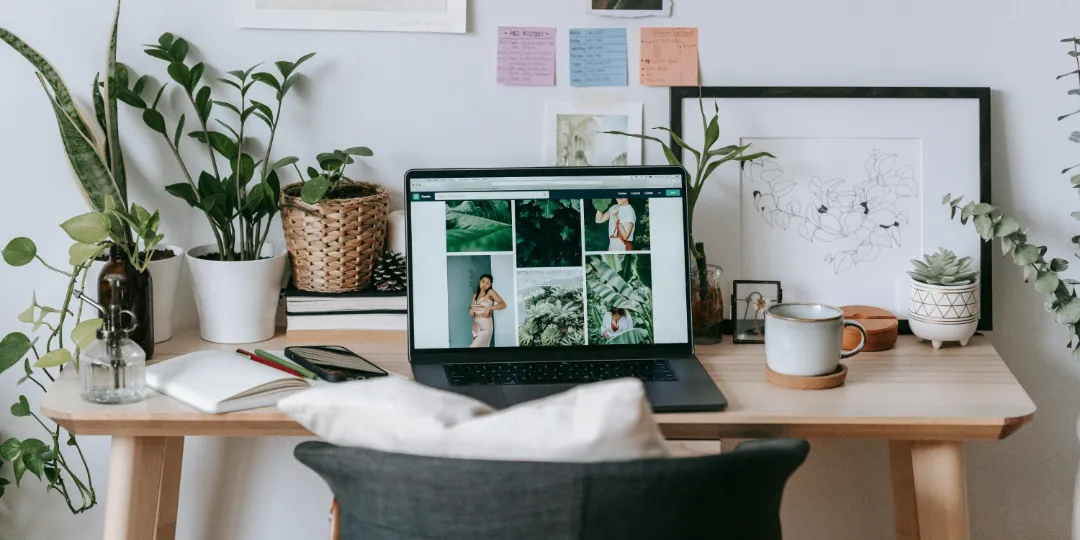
<point x="926" y="402"/>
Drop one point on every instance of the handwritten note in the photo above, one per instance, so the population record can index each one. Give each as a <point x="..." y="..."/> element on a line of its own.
<point x="598" y="57"/>
<point x="669" y="56"/>
<point x="526" y="56"/>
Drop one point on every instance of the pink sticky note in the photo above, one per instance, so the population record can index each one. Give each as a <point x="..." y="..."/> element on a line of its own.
<point x="526" y="56"/>
<point x="669" y="56"/>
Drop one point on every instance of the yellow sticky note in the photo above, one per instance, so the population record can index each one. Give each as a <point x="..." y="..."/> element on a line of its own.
<point x="669" y="56"/>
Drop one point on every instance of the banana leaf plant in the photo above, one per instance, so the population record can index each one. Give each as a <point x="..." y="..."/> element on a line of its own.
<point x="59" y="333"/>
<point x="706" y="161"/>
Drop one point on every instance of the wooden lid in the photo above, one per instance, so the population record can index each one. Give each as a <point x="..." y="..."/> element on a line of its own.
<point x="824" y="382"/>
<point x="882" y="328"/>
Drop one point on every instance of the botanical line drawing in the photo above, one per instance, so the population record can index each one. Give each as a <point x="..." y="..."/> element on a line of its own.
<point x="866" y="213"/>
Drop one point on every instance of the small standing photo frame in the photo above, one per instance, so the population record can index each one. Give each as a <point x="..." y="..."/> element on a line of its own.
<point x="749" y="300"/>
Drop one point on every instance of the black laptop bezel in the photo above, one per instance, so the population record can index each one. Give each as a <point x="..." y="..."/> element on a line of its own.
<point x="534" y="354"/>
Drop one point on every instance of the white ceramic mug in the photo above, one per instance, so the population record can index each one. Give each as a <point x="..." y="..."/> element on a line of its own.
<point x="806" y="340"/>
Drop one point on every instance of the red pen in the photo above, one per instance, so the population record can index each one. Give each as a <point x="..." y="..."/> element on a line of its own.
<point x="266" y="362"/>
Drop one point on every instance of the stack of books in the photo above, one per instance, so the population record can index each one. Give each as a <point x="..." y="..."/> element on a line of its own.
<point x="362" y="310"/>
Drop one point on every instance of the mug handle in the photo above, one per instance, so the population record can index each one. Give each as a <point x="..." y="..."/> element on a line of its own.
<point x="862" y="342"/>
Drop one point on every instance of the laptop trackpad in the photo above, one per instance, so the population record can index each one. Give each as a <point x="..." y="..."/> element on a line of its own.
<point x="491" y="395"/>
<point x="521" y="393"/>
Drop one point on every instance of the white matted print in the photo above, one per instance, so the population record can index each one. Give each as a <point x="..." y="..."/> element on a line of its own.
<point x="447" y="16"/>
<point x="630" y="8"/>
<point x="853" y="194"/>
<point x="574" y="135"/>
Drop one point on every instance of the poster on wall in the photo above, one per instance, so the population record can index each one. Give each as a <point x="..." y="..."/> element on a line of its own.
<point x="574" y="135"/>
<point x="447" y="16"/>
<point x="630" y="8"/>
<point x="854" y="192"/>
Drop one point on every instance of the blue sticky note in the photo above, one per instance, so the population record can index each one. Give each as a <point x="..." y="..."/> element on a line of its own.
<point x="598" y="57"/>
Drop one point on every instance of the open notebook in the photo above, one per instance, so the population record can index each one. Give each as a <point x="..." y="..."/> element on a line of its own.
<point x="222" y="381"/>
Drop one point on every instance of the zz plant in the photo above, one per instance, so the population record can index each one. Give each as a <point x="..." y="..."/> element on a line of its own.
<point x="239" y="201"/>
<point x="329" y="181"/>
<point x="990" y="223"/>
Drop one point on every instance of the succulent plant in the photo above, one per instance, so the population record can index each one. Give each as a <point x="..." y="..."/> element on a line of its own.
<point x="943" y="268"/>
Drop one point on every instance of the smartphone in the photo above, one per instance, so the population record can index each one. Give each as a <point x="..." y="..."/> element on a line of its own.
<point x="333" y="363"/>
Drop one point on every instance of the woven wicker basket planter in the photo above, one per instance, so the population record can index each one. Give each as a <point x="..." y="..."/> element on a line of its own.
<point x="335" y="244"/>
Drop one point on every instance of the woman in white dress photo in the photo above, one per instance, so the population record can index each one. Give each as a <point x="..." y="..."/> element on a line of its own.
<point x="621" y="219"/>
<point x="485" y="301"/>
<point x="616" y="321"/>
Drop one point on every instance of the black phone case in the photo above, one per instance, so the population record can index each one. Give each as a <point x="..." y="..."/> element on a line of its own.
<point x="334" y="375"/>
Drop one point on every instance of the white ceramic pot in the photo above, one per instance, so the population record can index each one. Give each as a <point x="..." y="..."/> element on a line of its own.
<point x="237" y="301"/>
<point x="166" y="276"/>
<point x="941" y="313"/>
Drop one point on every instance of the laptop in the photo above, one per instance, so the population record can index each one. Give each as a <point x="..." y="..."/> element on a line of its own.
<point x="527" y="282"/>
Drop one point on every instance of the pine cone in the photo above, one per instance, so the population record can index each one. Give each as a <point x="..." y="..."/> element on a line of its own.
<point x="390" y="272"/>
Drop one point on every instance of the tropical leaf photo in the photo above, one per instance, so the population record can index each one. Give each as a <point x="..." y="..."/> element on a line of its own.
<point x="621" y="283"/>
<point x="548" y="233"/>
<point x="552" y="309"/>
<point x="479" y="227"/>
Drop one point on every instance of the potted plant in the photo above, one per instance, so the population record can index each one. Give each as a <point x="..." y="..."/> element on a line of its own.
<point x="237" y="280"/>
<point x="944" y="299"/>
<point x="335" y="228"/>
<point x="60" y="332"/>
<point x="708" y="294"/>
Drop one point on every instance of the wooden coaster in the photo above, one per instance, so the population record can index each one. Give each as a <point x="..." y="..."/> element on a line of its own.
<point x="824" y="382"/>
<point x="881" y="326"/>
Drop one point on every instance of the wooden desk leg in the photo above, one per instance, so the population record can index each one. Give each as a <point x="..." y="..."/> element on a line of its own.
<point x="144" y="479"/>
<point x="929" y="490"/>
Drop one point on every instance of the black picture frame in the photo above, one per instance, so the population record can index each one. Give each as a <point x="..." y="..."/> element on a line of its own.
<point x="735" y="307"/>
<point x="981" y="94"/>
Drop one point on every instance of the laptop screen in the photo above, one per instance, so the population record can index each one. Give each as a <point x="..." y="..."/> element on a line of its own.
<point x="549" y="259"/>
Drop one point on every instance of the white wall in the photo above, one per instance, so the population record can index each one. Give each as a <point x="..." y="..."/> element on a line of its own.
<point x="430" y="101"/>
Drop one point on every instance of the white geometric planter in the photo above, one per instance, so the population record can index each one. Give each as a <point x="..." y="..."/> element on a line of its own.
<point x="940" y="313"/>
<point x="237" y="301"/>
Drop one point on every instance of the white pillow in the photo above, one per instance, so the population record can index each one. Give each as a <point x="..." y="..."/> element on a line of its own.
<point x="608" y="421"/>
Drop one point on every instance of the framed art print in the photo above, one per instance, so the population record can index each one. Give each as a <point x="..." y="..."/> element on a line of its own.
<point x="448" y="16"/>
<point x="574" y="135"/>
<point x="854" y="192"/>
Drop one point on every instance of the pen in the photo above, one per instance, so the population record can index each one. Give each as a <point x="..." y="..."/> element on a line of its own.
<point x="280" y="361"/>
<point x="266" y="362"/>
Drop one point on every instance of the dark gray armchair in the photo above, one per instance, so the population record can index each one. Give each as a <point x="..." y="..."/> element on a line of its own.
<point x="383" y="496"/>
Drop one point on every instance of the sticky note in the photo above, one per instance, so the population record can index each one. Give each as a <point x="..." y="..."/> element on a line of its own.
<point x="526" y="56"/>
<point x="598" y="57"/>
<point x="669" y="56"/>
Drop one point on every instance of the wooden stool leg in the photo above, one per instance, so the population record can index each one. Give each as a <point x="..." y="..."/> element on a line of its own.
<point x="169" y="497"/>
<point x="934" y="494"/>
<point x="136" y="466"/>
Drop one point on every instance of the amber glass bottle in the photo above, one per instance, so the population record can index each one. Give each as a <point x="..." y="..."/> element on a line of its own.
<point x="136" y="292"/>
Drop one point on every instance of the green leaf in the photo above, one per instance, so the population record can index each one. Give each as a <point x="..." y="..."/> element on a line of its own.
<point x="982" y="209"/>
<point x="89" y="228"/>
<point x="219" y="142"/>
<point x="1005" y="227"/>
<point x="21" y="408"/>
<point x="20" y="251"/>
<point x="71" y="440"/>
<point x="314" y="190"/>
<point x="1026" y="254"/>
<point x="359" y="151"/>
<point x="179" y="49"/>
<point x="19" y="467"/>
<point x="284" y="162"/>
<point x="303" y="59"/>
<point x="268" y="80"/>
<point x="1069" y="312"/>
<point x="179" y="130"/>
<point x="159" y="54"/>
<point x="130" y="98"/>
<point x="195" y="76"/>
<point x="984" y="226"/>
<point x="116" y="79"/>
<point x="140" y="85"/>
<point x="184" y="191"/>
<point x="61" y="96"/>
<point x="54" y="358"/>
<point x="13" y="348"/>
<point x="11" y="449"/>
<point x="1059" y="265"/>
<point x="180" y="73"/>
<point x="79" y="253"/>
<point x="85" y="332"/>
<point x="1047" y="282"/>
<point x="679" y="141"/>
<point x="668" y="154"/>
<point x="155" y="121"/>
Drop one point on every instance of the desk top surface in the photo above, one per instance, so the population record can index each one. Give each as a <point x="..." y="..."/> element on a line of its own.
<point x="912" y="392"/>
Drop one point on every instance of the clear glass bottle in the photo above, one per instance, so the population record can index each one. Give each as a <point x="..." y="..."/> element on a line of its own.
<point x="114" y="367"/>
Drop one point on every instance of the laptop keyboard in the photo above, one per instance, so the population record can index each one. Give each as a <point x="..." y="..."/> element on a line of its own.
<point x="509" y="373"/>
